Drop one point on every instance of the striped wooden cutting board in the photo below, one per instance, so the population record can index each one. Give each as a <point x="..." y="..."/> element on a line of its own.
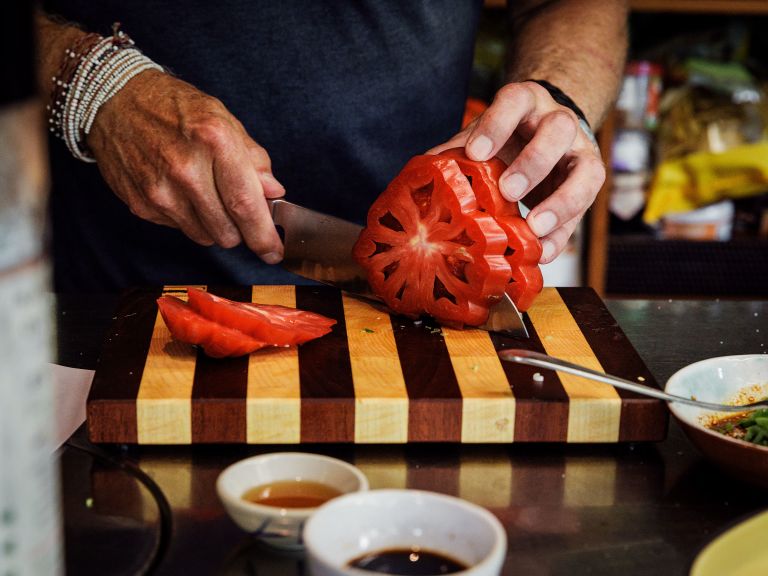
<point x="375" y="379"/>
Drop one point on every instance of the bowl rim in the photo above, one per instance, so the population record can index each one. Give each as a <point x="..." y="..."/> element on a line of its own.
<point x="229" y="498"/>
<point x="696" y="423"/>
<point x="721" y="532"/>
<point x="495" y="554"/>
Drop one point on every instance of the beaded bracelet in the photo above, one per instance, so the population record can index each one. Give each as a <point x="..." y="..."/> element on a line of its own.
<point x="93" y="71"/>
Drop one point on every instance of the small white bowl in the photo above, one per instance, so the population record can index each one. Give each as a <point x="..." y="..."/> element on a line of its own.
<point x="722" y="380"/>
<point x="353" y="525"/>
<point x="281" y="527"/>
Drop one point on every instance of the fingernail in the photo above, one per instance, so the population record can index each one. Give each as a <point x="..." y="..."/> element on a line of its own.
<point x="480" y="147"/>
<point x="513" y="186"/>
<point x="543" y="223"/>
<point x="547" y="251"/>
<point x="271" y="257"/>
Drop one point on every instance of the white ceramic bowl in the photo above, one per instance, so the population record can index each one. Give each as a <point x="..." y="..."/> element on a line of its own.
<point x="281" y="527"/>
<point x="722" y="380"/>
<point x="350" y="526"/>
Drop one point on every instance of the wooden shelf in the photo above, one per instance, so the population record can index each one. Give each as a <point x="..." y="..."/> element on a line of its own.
<point x="701" y="6"/>
<point x="686" y="6"/>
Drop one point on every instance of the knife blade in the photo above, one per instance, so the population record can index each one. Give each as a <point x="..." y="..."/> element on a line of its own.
<point x="319" y="246"/>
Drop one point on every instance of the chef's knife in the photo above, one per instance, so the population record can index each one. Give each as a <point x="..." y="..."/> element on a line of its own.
<point x="319" y="246"/>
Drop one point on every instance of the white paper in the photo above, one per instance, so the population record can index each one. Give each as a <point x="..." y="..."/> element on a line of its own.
<point x="71" y="386"/>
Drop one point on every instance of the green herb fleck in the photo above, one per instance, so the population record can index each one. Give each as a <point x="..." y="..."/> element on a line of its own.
<point x="475" y="367"/>
<point x="368" y="330"/>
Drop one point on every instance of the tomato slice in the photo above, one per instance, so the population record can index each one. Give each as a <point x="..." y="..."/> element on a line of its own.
<point x="278" y="325"/>
<point x="216" y="340"/>
<point x="523" y="247"/>
<point x="427" y="247"/>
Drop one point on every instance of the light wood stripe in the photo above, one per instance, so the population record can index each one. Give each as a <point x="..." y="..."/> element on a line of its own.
<point x="589" y="482"/>
<point x="488" y="405"/>
<point x="164" y="401"/>
<point x="273" y="405"/>
<point x="175" y="480"/>
<point x="485" y="478"/>
<point x="386" y="468"/>
<point x="381" y="398"/>
<point x="595" y="408"/>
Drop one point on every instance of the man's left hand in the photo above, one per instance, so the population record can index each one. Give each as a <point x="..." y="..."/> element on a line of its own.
<point x="548" y="154"/>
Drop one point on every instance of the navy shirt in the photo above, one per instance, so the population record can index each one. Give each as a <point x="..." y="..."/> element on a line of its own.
<point x="340" y="93"/>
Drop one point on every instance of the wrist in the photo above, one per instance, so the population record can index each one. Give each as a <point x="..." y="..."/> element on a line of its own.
<point x="91" y="73"/>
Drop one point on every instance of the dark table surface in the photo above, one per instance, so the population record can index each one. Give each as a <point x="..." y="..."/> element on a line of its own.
<point x="631" y="509"/>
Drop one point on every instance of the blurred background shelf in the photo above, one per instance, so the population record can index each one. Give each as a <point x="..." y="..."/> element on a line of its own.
<point x="628" y="257"/>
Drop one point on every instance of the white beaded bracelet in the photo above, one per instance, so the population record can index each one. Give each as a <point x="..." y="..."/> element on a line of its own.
<point x="102" y="72"/>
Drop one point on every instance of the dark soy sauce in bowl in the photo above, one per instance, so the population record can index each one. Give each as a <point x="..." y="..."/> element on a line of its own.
<point x="408" y="562"/>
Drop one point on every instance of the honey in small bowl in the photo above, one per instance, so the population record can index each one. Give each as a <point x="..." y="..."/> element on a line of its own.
<point x="291" y="494"/>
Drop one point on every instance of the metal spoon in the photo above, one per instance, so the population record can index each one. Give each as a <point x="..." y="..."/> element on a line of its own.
<point x="551" y="363"/>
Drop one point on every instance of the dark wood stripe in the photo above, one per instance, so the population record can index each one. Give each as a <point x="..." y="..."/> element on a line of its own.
<point x="434" y="396"/>
<point x="111" y="405"/>
<point x="539" y="477"/>
<point x="642" y="418"/>
<point x="435" y="472"/>
<point x="541" y="408"/>
<point x="219" y="388"/>
<point x="325" y="373"/>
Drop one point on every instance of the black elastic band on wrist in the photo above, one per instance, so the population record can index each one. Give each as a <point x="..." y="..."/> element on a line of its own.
<point x="561" y="98"/>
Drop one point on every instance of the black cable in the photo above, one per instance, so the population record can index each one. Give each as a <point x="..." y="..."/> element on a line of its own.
<point x="166" y="516"/>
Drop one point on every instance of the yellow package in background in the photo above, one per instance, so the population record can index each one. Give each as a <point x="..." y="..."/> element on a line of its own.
<point x="701" y="178"/>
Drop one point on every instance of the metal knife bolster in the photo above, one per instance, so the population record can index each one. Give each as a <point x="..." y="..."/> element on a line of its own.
<point x="319" y="247"/>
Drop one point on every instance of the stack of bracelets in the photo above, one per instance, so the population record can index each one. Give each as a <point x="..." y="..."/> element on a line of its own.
<point x="93" y="71"/>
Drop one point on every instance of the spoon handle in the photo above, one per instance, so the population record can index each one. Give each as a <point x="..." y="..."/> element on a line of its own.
<point x="551" y="363"/>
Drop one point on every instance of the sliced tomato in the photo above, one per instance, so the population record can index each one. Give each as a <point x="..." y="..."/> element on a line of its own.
<point x="427" y="247"/>
<point x="523" y="247"/>
<point x="278" y="325"/>
<point x="216" y="340"/>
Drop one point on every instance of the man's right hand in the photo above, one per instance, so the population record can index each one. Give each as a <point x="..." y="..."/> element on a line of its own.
<point x="177" y="157"/>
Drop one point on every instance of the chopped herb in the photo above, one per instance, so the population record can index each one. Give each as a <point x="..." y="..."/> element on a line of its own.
<point x="752" y="427"/>
<point x="368" y="330"/>
<point x="475" y="367"/>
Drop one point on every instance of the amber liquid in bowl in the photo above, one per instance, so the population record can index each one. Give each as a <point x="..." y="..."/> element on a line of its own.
<point x="291" y="494"/>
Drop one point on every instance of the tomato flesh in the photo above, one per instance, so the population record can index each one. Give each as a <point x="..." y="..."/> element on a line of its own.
<point x="429" y="249"/>
<point x="523" y="247"/>
<point x="278" y="325"/>
<point x="217" y="341"/>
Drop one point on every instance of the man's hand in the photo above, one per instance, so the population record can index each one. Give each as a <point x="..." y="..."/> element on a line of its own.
<point x="177" y="157"/>
<point x="548" y="154"/>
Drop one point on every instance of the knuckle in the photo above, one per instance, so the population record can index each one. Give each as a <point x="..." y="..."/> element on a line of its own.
<point x="227" y="239"/>
<point x="140" y="210"/>
<point x="564" y="120"/>
<point x="183" y="172"/>
<point x="261" y="244"/>
<point x="536" y="157"/>
<point x="241" y="205"/>
<point x="213" y="131"/>
<point x="515" y="91"/>
<point x="160" y="200"/>
<point x="596" y="170"/>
